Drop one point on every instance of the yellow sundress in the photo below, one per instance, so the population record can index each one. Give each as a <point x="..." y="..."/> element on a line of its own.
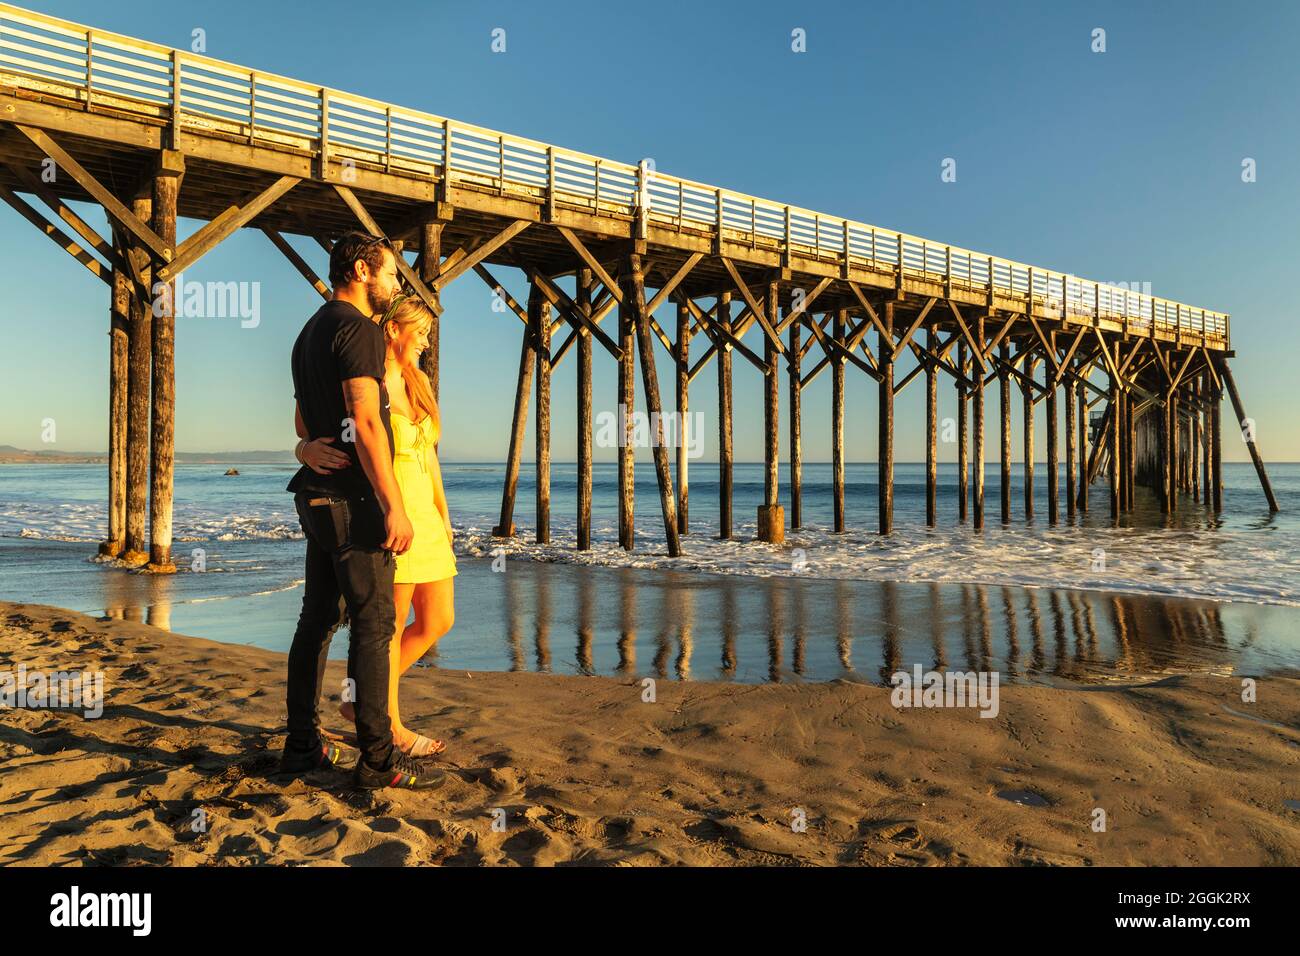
<point x="430" y="557"/>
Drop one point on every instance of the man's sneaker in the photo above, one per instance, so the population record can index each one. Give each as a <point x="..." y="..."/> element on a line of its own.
<point x="327" y="754"/>
<point x="403" y="771"/>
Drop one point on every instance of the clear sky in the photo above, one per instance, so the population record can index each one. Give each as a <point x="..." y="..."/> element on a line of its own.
<point x="1118" y="166"/>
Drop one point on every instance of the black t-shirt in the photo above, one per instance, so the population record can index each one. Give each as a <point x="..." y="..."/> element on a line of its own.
<point x="337" y="343"/>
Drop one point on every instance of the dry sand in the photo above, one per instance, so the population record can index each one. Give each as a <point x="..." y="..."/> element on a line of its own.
<point x="587" y="773"/>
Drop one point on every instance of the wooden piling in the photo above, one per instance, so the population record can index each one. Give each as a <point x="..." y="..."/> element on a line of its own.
<point x="796" y="428"/>
<point x="626" y="404"/>
<point x="430" y="264"/>
<point x="654" y="404"/>
<point x="539" y="317"/>
<point x="1053" y="448"/>
<point x="885" y="446"/>
<point x="1027" y="398"/>
<point x="931" y="431"/>
<point x="683" y="368"/>
<point x="1071" y="453"/>
<point x="837" y="420"/>
<point x="1171" y="463"/>
<point x="162" y="420"/>
<point x="119" y="318"/>
<point x="1194" y="440"/>
<point x="519" y="420"/>
<point x="139" y="366"/>
<point x="1114" y="429"/>
<point x="724" y="418"/>
<point x="771" y="516"/>
<point x="1216" y="446"/>
<point x="1130" y="443"/>
<point x="963" y="461"/>
<point x="1081" y="395"/>
<point x="977" y="410"/>
<point x="1004" y="430"/>
<point x="770" y="397"/>
<point x="582" y="299"/>
<point x="1225" y="373"/>
<point x="1122" y="409"/>
<point x="1206" y="452"/>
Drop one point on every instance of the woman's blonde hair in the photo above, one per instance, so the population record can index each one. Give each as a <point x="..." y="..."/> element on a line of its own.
<point x="405" y="311"/>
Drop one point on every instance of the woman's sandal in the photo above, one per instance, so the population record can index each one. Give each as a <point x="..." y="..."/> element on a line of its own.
<point x="424" y="746"/>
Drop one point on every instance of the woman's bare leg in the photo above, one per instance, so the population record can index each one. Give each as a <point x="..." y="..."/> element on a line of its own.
<point x="435" y="613"/>
<point x="402" y="606"/>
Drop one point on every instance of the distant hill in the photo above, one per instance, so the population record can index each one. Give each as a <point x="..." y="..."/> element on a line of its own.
<point x="10" y="455"/>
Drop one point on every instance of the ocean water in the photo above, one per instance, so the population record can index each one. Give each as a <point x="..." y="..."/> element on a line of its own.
<point x="1081" y="601"/>
<point x="1244" y="554"/>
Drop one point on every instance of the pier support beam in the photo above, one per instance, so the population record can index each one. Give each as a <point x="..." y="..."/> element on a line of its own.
<point x="771" y="516"/>
<point x="519" y="420"/>
<point x="119" y="319"/>
<point x="723" y="321"/>
<point x="1027" y="397"/>
<point x="539" y="318"/>
<point x="1206" y="456"/>
<point x="1082" y="424"/>
<point x="139" y="363"/>
<point x="977" y="438"/>
<point x="1216" y="446"/>
<point x="796" y="427"/>
<point x="1194" y="440"/>
<point x="429" y="265"/>
<point x="963" y="461"/>
<point x="683" y="376"/>
<point x="626" y="403"/>
<point x="582" y="298"/>
<point x="1130" y="445"/>
<point x="1122" y="410"/>
<point x="931" y="430"/>
<point x="1171" y="406"/>
<point x="837" y="420"/>
<point x="885" y="447"/>
<point x="1053" y="448"/>
<point x="162" y="424"/>
<point x="1113" y="427"/>
<point x="1004" y="430"/>
<point x="1071" y="454"/>
<point x="635" y="290"/>
<point x="1248" y="432"/>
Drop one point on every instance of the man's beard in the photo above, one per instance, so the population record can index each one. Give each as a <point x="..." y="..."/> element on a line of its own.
<point x="379" y="303"/>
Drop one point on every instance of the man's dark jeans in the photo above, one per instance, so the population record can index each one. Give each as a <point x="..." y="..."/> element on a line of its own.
<point x="347" y="568"/>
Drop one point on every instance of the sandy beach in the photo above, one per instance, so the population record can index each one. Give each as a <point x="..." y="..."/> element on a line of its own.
<point x="583" y="771"/>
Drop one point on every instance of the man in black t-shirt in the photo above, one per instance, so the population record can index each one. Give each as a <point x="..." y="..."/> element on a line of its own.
<point x="352" y="517"/>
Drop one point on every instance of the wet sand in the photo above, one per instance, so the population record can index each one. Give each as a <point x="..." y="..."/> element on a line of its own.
<point x="681" y="625"/>
<point x="583" y="770"/>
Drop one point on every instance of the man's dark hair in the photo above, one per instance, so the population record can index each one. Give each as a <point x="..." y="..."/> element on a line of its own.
<point x="350" y="247"/>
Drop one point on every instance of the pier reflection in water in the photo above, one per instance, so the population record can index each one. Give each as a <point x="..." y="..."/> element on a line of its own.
<point x="685" y="626"/>
<point x="634" y="622"/>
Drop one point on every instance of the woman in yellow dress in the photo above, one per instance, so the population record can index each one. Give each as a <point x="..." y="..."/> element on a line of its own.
<point x="423" y="578"/>
<point x="424" y="573"/>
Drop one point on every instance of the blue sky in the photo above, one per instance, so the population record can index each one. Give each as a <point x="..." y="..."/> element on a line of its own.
<point x="1121" y="166"/>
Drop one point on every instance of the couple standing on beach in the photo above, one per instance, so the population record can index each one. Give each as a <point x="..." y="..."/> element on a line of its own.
<point x="372" y="507"/>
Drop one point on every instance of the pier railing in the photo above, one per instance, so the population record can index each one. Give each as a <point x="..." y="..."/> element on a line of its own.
<point x="197" y="93"/>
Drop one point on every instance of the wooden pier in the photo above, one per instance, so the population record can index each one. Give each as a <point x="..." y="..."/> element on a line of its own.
<point x="148" y="133"/>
